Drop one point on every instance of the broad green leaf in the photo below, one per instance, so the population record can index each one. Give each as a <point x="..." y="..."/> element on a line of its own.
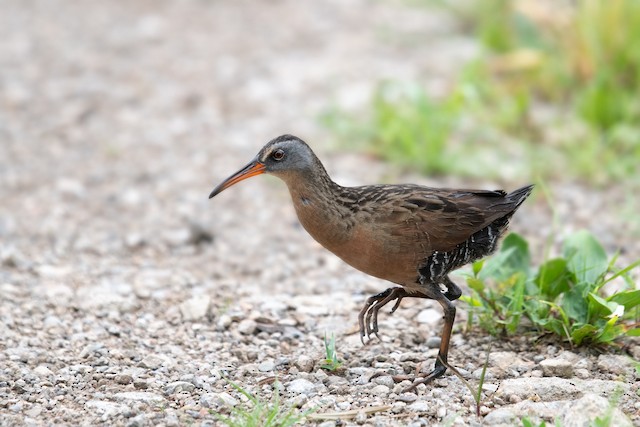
<point x="515" y="305"/>
<point x="553" y="278"/>
<point x="477" y="267"/>
<point x="563" y="320"/>
<point x="586" y="258"/>
<point x="494" y="267"/>
<point x="554" y="325"/>
<point x="635" y="332"/>
<point x="520" y="260"/>
<point x="536" y="311"/>
<point x="599" y="307"/>
<point x="575" y="304"/>
<point x="580" y="333"/>
<point x="628" y="299"/>
<point x="475" y="284"/>
<point x="513" y="258"/>
<point x="610" y="331"/>
<point x="471" y="301"/>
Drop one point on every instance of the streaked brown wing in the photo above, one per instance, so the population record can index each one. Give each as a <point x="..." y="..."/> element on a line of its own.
<point x="434" y="219"/>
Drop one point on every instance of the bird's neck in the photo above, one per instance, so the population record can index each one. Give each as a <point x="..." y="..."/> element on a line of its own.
<point x="316" y="200"/>
<point x="313" y="189"/>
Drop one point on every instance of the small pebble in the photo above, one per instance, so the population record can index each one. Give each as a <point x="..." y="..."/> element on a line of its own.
<point x="407" y="397"/>
<point x="385" y="380"/>
<point x="301" y="385"/>
<point x="433" y="342"/>
<point x="420" y="406"/>
<point x="223" y="322"/>
<point x="178" y="386"/>
<point x="140" y="384"/>
<point x="361" y="417"/>
<point x="266" y="366"/>
<point x="583" y="374"/>
<point x="379" y="390"/>
<point x="398" y="407"/>
<point x="556" y="368"/>
<point x="152" y="362"/>
<point x="304" y="363"/>
<point x="247" y="327"/>
<point x="514" y="398"/>
<point x="221" y="399"/>
<point x="42" y="371"/>
<point x="123" y="379"/>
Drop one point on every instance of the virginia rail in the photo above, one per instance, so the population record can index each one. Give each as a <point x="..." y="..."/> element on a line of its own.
<point x="410" y="235"/>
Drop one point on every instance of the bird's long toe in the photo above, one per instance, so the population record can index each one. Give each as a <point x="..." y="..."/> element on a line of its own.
<point x="371" y="321"/>
<point x="437" y="372"/>
<point x="368" y="317"/>
<point x="361" y="315"/>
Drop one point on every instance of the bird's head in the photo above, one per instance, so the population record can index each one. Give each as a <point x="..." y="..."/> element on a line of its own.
<point x="286" y="156"/>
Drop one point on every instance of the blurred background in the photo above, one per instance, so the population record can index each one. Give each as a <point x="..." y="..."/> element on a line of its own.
<point x="116" y="109"/>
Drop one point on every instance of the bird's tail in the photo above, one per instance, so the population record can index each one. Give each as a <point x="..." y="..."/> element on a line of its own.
<point x="518" y="196"/>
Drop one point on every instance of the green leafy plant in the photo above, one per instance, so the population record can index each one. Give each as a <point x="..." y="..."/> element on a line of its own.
<point x="413" y="128"/>
<point x="564" y="295"/>
<point x="553" y="89"/>
<point x="579" y="58"/>
<point x="331" y="361"/>
<point x="260" y="413"/>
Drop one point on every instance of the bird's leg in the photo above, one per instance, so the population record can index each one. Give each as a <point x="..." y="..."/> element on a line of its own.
<point x="367" y="305"/>
<point x="372" y="314"/>
<point x="433" y="291"/>
<point x="368" y="317"/>
<point x="453" y="291"/>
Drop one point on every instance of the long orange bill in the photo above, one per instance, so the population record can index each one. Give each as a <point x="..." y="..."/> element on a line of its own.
<point x="252" y="169"/>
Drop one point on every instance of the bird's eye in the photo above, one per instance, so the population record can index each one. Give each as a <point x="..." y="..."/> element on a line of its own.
<point x="278" y="155"/>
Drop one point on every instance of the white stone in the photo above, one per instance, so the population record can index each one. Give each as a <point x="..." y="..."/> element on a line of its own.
<point x="557" y="368"/>
<point x="195" y="308"/>
<point x="139" y="396"/>
<point x="42" y="371"/>
<point x="266" y="366"/>
<point x="586" y="409"/>
<point x="301" y="386"/>
<point x="304" y="363"/>
<point x="615" y="363"/>
<point x="420" y="406"/>
<point x="546" y="389"/>
<point x="429" y="316"/>
<point x="379" y="390"/>
<point x="102" y="407"/>
<point x="247" y="327"/>
<point x="155" y="361"/>
<point x="385" y="380"/>
<point x="178" y="386"/>
<point x="583" y="374"/>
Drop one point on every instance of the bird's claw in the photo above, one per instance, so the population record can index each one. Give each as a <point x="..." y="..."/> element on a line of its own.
<point x="368" y="317"/>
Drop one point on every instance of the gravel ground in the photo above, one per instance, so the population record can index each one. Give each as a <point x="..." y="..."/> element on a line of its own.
<point x="126" y="296"/>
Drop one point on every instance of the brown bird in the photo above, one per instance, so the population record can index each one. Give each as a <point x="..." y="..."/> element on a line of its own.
<point x="410" y="235"/>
